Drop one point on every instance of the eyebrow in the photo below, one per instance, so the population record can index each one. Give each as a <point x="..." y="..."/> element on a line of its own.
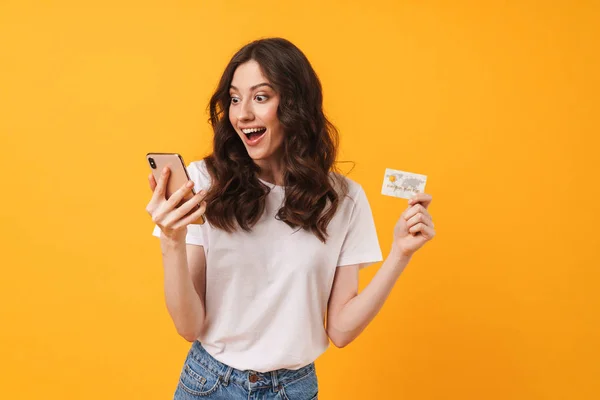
<point x="254" y="87"/>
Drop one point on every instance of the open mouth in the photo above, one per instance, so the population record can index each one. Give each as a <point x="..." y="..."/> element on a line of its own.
<point x="254" y="133"/>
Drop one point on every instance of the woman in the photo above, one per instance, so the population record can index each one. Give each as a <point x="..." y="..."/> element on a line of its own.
<point x="285" y="237"/>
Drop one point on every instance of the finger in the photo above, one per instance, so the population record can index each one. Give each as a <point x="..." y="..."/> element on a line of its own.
<point x="414" y="210"/>
<point x="159" y="191"/>
<point x="421" y="198"/>
<point x="198" y="197"/>
<point x="193" y="217"/>
<point x="179" y="194"/>
<point x="165" y="208"/>
<point x="190" y="204"/>
<point x="427" y="231"/>
<point x="416" y="228"/>
<point x="420" y="217"/>
<point x="152" y="182"/>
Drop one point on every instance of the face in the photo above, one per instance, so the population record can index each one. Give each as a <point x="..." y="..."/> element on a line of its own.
<point x="253" y="112"/>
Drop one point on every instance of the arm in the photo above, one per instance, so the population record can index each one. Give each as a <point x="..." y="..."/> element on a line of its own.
<point x="349" y="313"/>
<point x="185" y="286"/>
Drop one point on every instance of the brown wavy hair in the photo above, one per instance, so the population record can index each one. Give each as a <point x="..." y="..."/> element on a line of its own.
<point x="312" y="193"/>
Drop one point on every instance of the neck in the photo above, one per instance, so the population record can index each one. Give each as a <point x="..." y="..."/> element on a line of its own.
<point x="271" y="171"/>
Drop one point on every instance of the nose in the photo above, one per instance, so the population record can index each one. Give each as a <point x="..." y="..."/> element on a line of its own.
<point x="245" y="111"/>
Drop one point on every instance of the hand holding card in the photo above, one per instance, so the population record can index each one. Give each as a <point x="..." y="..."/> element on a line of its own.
<point x="415" y="226"/>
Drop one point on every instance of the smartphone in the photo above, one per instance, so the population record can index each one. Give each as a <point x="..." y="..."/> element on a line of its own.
<point x="178" y="177"/>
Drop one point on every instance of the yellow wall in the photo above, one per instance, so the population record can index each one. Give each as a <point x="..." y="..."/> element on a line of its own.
<point x="497" y="104"/>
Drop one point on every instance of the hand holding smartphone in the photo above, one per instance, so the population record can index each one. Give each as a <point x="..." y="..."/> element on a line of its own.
<point x="174" y="203"/>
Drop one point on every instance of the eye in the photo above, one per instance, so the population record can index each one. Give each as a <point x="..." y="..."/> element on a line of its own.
<point x="235" y="100"/>
<point x="261" y="98"/>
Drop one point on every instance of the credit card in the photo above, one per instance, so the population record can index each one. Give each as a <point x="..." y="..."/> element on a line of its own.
<point x="402" y="184"/>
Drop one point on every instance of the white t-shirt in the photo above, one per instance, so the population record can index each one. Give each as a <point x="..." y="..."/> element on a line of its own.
<point x="267" y="290"/>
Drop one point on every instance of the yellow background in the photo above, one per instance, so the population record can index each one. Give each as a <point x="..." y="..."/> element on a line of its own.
<point x="496" y="102"/>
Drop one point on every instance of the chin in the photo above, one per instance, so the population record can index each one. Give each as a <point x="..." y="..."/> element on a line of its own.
<point x="257" y="155"/>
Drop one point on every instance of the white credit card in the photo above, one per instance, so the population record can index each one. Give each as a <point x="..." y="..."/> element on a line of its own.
<point x="402" y="184"/>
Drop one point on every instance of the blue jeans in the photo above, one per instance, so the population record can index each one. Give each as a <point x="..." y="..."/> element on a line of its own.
<point x="204" y="376"/>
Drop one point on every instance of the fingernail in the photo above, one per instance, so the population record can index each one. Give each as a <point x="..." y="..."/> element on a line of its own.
<point x="165" y="170"/>
<point x="189" y="184"/>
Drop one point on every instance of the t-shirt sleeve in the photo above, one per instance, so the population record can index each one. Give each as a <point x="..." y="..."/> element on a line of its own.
<point x="196" y="234"/>
<point x="361" y="245"/>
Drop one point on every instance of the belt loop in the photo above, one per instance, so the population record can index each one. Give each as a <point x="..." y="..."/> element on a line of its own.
<point x="275" y="381"/>
<point x="227" y="376"/>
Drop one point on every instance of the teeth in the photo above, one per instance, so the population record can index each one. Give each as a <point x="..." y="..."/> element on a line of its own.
<point x="247" y="131"/>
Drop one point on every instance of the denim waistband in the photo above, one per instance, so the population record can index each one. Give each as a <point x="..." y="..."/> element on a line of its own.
<point x="248" y="378"/>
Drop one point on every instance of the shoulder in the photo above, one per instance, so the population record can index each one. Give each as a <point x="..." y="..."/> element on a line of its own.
<point x="199" y="173"/>
<point x="346" y="187"/>
<point x="198" y="166"/>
